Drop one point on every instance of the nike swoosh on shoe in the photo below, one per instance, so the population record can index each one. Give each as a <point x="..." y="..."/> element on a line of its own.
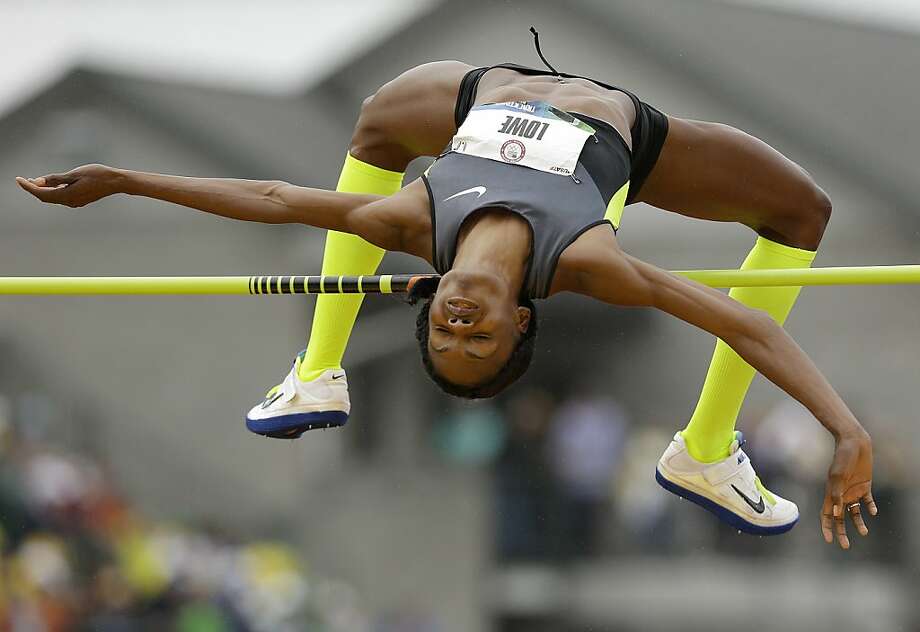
<point x="758" y="507"/>
<point x="274" y="398"/>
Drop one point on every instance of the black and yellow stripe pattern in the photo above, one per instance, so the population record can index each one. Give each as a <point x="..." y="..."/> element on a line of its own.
<point x="401" y="283"/>
<point x="333" y="284"/>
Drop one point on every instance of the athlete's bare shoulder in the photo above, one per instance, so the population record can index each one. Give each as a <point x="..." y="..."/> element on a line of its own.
<point x="577" y="268"/>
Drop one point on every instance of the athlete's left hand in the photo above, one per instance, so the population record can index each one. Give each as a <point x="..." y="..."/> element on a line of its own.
<point x="78" y="187"/>
<point x="849" y="483"/>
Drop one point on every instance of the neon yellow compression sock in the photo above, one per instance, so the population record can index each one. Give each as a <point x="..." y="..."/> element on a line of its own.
<point x="335" y="315"/>
<point x="711" y="429"/>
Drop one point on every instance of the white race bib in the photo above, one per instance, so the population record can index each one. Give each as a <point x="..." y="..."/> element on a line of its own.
<point x="529" y="133"/>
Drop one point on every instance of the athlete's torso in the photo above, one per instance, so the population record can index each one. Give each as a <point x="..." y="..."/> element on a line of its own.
<point x="563" y="172"/>
<point x="575" y="95"/>
<point x="423" y="104"/>
<point x="417" y="108"/>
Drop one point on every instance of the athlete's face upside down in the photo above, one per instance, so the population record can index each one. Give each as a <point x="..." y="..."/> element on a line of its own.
<point x="475" y="325"/>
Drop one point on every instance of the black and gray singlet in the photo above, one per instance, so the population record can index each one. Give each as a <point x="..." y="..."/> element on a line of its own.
<point x="648" y="131"/>
<point x="579" y="191"/>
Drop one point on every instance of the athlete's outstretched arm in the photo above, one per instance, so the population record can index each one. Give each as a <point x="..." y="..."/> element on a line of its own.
<point x="272" y="202"/>
<point x="623" y="280"/>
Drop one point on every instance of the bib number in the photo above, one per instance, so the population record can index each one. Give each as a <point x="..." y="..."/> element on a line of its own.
<point x="528" y="133"/>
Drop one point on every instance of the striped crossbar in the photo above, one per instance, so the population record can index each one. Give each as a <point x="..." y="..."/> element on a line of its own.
<point x="402" y="283"/>
<point x="256" y="285"/>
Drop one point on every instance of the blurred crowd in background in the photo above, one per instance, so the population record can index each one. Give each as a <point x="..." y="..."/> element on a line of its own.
<point x="574" y="479"/>
<point x="76" y="555"/>
<point x="571" y="480"/>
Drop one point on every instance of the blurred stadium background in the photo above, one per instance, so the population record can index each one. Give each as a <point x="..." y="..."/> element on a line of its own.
<point x="131" y="496"/>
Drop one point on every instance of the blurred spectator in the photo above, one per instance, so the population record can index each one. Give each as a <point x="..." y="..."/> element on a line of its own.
<point x="890" y="530"/>
<point x="471" y="434"/>
<point x="524" y="486"/>
<point x="645" y="511"/>
<point x="585" y="444"/>
<point x="791" y="442"/>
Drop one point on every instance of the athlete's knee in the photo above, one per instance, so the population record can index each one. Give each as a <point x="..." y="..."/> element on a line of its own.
<point x="379" y="112"/>
<point x="374" y="140"/>
<point x="369" y="131"/>
<point x="821" y="209"/>
<point x="814" y="213"/>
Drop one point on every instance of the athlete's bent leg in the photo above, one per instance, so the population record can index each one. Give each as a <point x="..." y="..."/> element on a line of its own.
<point x="295" y="405"/>
<point x="316" y="375"/>
<point x="712" y="424"/>
<point x="713" y="171"/>
<point x="376" y="163"/>
<point x="335" y="315"/>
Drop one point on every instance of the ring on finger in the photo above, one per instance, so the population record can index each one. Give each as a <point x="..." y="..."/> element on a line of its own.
<point x="853" y="507"/>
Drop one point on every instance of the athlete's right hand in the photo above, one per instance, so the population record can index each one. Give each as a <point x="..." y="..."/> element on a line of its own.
<point x="849" y="483"/>
<point x="76" y="188"/>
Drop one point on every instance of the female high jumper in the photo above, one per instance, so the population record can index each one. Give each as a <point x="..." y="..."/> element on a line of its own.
<point x="534" y="169"/>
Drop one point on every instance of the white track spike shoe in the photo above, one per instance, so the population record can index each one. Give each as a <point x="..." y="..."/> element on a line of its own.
<point x="728" y="488"/>
<point x="294" y="406"/>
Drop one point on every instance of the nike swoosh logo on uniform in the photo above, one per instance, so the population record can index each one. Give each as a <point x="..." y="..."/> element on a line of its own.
<point x="338" y="377"/>
<point x="758" y="507"/>
<point x="480" y="191"/>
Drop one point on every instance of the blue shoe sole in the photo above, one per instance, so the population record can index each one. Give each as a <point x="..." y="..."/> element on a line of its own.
<point x="722" y="513"/>
<point x="292" y="426"/>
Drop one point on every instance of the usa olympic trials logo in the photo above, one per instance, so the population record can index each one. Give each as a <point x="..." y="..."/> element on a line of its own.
<point x="512" y="151"/>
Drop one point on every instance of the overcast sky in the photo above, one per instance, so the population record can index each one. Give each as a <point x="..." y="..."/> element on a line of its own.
<point x="266" y="45"/>
<point x="269" y="45"/>
<point x="903" y="15"/>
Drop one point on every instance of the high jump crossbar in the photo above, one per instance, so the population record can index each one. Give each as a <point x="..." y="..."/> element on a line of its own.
<point x="402" y="283"/>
